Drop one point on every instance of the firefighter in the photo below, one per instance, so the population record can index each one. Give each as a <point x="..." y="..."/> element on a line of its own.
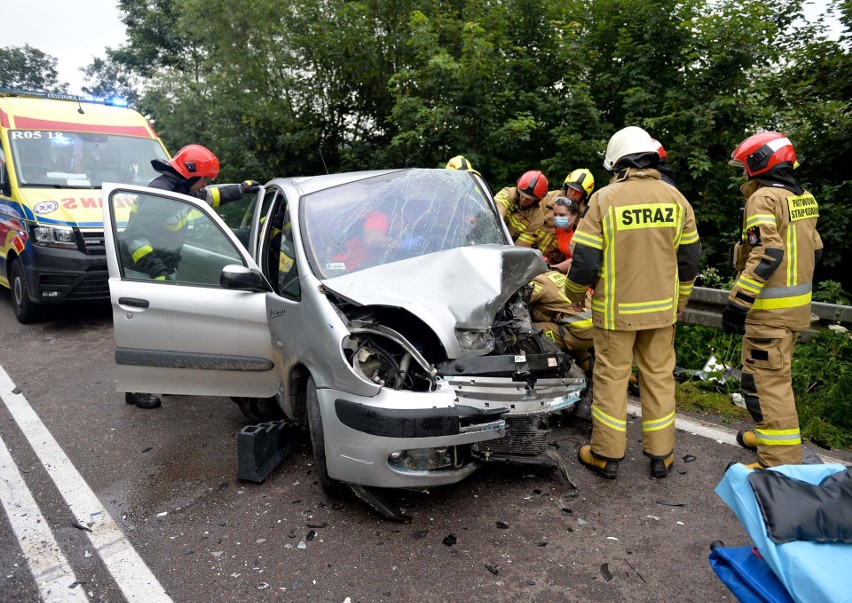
<point x="770" y="301"/>
<point x="150" y="247"/>
<point x="520" y="208"/>
<point x="638" y="247"/>
<point x="563" y="215"/>
<point x="553" y="312"/>
<point x="459" y="162"/>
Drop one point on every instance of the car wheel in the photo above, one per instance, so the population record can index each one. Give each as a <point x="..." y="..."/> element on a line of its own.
<point x="318" y="438"/>
<point x="25" y="310"/>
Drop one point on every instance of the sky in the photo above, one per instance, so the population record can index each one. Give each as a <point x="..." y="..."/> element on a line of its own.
<point x="76" y="32"/>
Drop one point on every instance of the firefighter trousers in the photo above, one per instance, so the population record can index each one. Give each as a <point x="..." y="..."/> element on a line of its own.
<point x="653" y="350"/>
<point x="767" y="386"/>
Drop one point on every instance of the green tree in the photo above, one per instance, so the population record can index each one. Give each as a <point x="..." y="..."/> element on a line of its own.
<point x="29" y="68"/>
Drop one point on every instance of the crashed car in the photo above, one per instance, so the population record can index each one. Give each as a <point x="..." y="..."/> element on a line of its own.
<point x="384" y="311"/>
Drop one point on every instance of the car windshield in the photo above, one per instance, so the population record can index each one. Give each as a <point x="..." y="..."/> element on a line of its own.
<point x="395" y="216"/>
<point x="82" y="159"/>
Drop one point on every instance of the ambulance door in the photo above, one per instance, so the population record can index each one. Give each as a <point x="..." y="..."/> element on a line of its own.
<point x="189" y="303"/>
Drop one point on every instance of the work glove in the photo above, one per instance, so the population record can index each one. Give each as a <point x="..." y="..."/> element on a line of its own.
<point x="733" y="319"/>
<point x="250" y="186"/>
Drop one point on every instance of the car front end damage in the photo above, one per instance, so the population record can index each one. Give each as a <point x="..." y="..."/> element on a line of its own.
<point x="465" y="378"/>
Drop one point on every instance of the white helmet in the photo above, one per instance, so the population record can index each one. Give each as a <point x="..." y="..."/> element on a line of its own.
<point x="627" y="141"/>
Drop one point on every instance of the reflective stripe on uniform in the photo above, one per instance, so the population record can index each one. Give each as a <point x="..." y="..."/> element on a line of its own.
<point x="760" y="219"/>
<point x="658" y="424"/>
<point x="589" y="240"/>
<point x="778" y="437"/>
<point x="774" y="298"/>
<point x="141" y="253"/>
<point x="792" y="257"/>
<point x="607" y="420"/>
<point x="180" y="224"/>
<point x="685" y="289"/>
<point x="215" y="196"/>
<point x="689" y="238"/>
<point x="749" y="284"/>
<point x="608" y="269"/>
<point x="575" y="287"/>
<point x="648" y="306"/>
<point x="579" y="321"/>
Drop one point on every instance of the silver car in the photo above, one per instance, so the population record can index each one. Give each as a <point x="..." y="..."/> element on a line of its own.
<point x="385" y="311"/>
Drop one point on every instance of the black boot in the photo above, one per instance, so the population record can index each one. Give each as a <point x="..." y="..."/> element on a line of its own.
<point x="142" y="400"/>
<point x="250" y="408"/>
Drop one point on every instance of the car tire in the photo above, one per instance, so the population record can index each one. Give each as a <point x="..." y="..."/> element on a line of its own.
<point x="25" y="310"/>
<point x="318" y="438"/>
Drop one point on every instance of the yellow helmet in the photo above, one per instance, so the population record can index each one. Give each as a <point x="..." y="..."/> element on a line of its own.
<point x="580" y="180"/>
<point x="460" y="163"/>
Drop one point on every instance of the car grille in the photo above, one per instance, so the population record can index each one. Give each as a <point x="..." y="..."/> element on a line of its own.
<point x="525" y="435"/>
<point x="94" y="242"/>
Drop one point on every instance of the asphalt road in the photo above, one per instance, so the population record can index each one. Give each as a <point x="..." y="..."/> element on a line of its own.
<point x="167" y="478"/>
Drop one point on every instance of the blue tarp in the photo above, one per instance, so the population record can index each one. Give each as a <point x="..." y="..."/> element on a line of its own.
<point x="810" y="571"/>
<point x="747" y="575"/>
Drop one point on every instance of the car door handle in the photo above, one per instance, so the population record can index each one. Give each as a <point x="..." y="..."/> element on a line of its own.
<point x="133" y="301"/>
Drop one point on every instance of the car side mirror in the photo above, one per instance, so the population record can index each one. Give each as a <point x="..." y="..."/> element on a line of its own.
<point x="241" y="278"/>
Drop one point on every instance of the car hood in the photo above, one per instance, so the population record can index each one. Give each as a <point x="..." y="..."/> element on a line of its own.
<point x="459" y="288"/>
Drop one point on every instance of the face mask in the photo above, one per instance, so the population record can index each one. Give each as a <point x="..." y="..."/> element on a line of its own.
<point x="561" y="221"/>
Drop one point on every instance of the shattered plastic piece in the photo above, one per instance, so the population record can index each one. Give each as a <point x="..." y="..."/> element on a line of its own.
<point x="317" y="525"/>
<point x="148" y="449"/>
<point x="86" y="554"/>
<point x="450" y="539"/>
<point x="262" y="585"/>
<point x="80" y="526"/>
<point x="582" y="522"/>
<point x="607" y="575"/>
<point x="310" y="535"/>
<point x="76" y="583"/>
<point x="654" y="517"/>
<point x="260" y="541"/>
<point x="738" y="400"/>
<point x="418" y="534"/>
<point x="541" y="543"/>
<point x="18" y="391"/>
<point x="301" y="545"/>
<point x="681" y="471"/>
<point x="222" y="487"/>
<point x="502" y="525"/>
<point x="612" y="538"/>
<point x="217" y="553"/>
<point x="162" y="513"/>
<point x="670" y="503"/>
<point x="689" y="458"/>
<point x="492" y="568"/>
<point x="680" y="523"/>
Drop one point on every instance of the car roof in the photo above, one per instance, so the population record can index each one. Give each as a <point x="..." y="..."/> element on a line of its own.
<point x="311" y="184"/>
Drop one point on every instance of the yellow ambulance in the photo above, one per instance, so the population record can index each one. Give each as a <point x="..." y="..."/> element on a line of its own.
<point x="55" y="153"/>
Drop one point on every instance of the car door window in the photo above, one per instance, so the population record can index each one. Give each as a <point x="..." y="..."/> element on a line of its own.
<point x="168" y="240"/>
<point x="282" y="270"/>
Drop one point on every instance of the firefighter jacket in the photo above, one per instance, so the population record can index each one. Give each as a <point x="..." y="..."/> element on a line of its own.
<point x="638" y="247"/>
<point x="156" y="229"/>
<point x="527" y="227"/>
<point x="776" y="255"/>
<point x="549" y="304"/>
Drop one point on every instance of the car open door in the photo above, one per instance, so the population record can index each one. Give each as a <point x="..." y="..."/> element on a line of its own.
<point x="189" y="303"/>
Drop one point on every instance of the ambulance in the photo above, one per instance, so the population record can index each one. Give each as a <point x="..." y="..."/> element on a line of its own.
<point x="56" y="151"/>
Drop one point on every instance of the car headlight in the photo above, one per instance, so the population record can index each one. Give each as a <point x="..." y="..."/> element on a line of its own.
<point x="54" y="236"/>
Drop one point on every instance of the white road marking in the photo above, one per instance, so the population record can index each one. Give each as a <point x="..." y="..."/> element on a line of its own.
<point x="130" y="572"/>
<point x="723" y="435"/>
<point x="51" y="571"/>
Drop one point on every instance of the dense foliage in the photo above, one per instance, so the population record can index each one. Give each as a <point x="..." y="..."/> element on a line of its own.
<point x="291" y="87"/>
<point x="822" y="377"/>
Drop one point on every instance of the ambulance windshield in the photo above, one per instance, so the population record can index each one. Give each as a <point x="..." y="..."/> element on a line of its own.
<point x="48" y="159"/>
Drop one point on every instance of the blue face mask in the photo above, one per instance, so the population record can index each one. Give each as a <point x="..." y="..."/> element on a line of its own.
<point x="561" y="221"/>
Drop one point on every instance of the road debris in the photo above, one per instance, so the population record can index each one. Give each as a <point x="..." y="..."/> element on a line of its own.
<point x="689" y="458"/>
<point x="635" y="570"/>
<point x="80" y="526"/>
<point x="449" y="539"/>
<point x="301" y="545"/>
<point x="502" y="525"/>
<point x="418" y="534"/>
<point x="492" y="568"/>
<point x="607" y="575"/>
<point x="670" y="503"/>
<point x="148" y="449"/>
<point x="612" y="538"/>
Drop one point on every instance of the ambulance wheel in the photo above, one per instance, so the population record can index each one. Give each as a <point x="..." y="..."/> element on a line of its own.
<point x="25" y="310"/>
<point x="318" y="439"/>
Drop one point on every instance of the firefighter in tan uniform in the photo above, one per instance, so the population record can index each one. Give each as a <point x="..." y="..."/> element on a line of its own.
<point x="554" y="313"/>
<point x="771" y="297"/>
<point x="520" y="208"/>
<point x="638" y="247"/>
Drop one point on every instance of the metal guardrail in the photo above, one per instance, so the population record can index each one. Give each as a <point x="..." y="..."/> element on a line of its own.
<point x="706" y="305"/>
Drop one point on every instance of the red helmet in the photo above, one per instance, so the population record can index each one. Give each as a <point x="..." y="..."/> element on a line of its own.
<point x="533" y="183"/>
<point x="195" y="161"/>
<point x="660" y="150"/>
<point x="763" y="152"/>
